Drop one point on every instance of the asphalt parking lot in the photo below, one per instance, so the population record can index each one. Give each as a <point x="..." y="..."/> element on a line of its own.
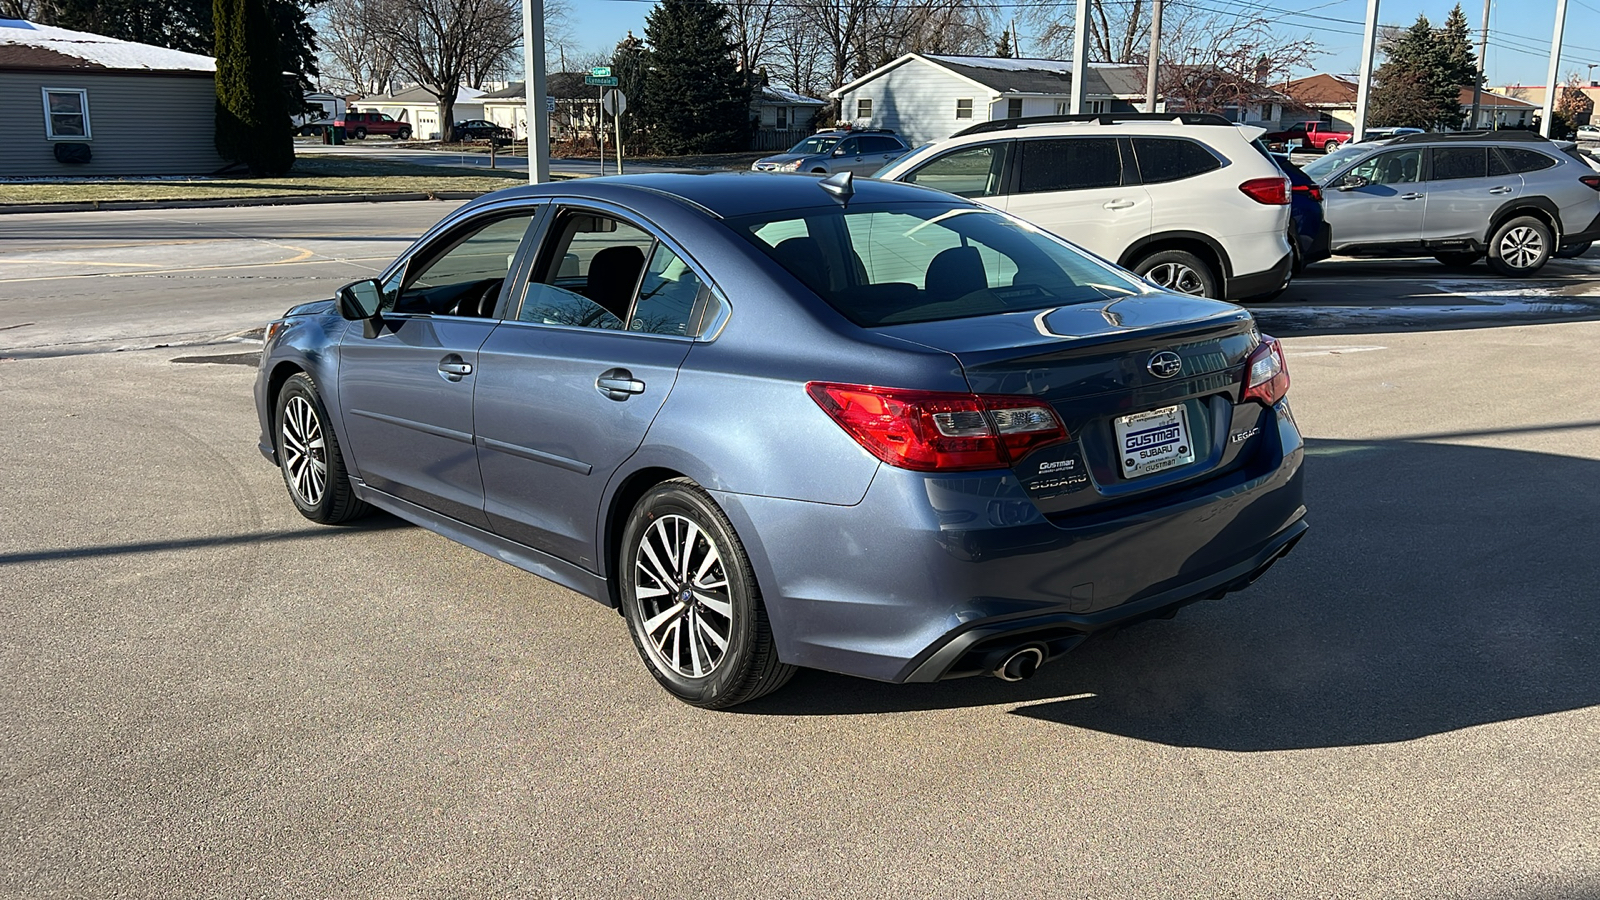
<point x="207" y="695"/>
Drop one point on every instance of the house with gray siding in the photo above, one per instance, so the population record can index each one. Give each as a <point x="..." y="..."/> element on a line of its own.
<point x="926" y="97"/>
<point x="117" y="107"/>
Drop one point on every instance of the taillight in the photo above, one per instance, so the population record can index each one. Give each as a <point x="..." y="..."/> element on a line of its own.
<point x="1590" y="181"/>
<point x="1314" y="191"/>
<point x="1270" y="191"/>
<point x="936" y="430"/>
<point x="1266" y="374"/>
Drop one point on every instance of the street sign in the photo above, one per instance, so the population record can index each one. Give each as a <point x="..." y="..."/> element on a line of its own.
<point x="549" y="104"/>
<point x="601" y="71"/>
<point x="602" y="80"/>
<point x="614" y="102"/>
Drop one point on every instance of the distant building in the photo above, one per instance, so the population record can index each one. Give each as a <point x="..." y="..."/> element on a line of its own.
<point x="1497" y="110"/>
<point x="1327" y="98"/>
<point x="926" y="97"/>
<point x="75" y="103"/>
<point x="783" y="117"/>
<point x="421" y="108"/>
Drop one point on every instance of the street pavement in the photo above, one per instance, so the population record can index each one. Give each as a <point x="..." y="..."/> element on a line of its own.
<point x="206" y="695"/>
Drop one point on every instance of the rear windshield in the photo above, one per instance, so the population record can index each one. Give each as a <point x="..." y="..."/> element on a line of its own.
<point x="892" y="265"/>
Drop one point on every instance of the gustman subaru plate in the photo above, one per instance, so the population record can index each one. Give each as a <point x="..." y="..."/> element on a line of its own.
<point x="1154" y="441"/>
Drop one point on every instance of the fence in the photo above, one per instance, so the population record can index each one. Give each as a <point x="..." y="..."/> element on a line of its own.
<point x="775" y="139"/>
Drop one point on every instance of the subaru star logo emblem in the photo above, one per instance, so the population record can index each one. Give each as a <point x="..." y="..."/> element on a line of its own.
<point x="1165" y="364"/>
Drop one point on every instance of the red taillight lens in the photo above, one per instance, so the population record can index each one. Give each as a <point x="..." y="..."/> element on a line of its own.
<point x="938" y="431"/>
<point x="1309" y="189"/>
<point x="1266" y="374"/>
<point x="1270" y="191"/>
<point x="1590" y="181"/>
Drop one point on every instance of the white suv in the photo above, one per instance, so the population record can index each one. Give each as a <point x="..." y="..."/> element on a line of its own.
<point x="1184" y="200"/>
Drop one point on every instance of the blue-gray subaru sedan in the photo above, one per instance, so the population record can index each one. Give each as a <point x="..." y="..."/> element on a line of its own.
<point x="779" y="422"/>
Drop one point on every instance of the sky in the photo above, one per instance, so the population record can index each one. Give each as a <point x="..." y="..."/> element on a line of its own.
<point x="1519" y="33"/>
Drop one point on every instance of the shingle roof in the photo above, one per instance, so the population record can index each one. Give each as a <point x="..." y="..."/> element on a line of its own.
<point x="560" y="85"/>
<point x="1044" y="76"/>
<point x="28" y="45"/>
<point x="1322" y="90"/>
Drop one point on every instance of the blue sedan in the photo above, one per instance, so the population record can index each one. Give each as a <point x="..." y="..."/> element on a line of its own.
<point x="788" y="422"/>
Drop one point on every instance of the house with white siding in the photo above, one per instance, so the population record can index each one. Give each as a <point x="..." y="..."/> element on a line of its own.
<point x="76" y="103"/>
<point x="925" y="97"/>
<point x="420" y="108"/>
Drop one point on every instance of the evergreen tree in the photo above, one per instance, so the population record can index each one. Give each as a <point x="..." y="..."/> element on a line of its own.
<point x="695" y="99"/>
<point x="252" y="105"/>
<point x="1002" y="47"/>
<point x="1455" y="49"/>
<point x="1416" y="86"/>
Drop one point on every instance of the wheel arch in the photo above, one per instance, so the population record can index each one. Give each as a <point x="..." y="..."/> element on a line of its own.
<point x="281" y="373"/>
<point x="1541" y="208"/>
<point x="1201" y="245"/>
<point x="629" y="490"/>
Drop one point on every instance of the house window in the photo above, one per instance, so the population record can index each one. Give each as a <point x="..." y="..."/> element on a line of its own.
<point x="783" y="117"/>
<point x="1013" y="109"/>
<point x="66" y="114"/>
<point x="1096" y="106"/>
<point x="964" y="109"/>
<point x="1063" y="108"/>
<point x="864" y="108"/>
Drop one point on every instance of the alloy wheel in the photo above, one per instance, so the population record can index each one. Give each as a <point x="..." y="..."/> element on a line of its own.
<point x="682" y="589"/>
<point x="1177" y="277"/>
<point x="304" y="451"/>
<point x="1521" y="247"/>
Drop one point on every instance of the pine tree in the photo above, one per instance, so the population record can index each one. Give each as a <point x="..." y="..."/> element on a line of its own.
<point x="252" y="105"/>
<point x="1417" y="86"/>
<point x="1002" y="47"/>
<point x="1455" y="49"/>
<point x="695" y="100"/>
<point x="628" y="63"/>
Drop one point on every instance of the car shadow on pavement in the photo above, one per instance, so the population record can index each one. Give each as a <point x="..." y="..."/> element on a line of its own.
<point x="377" y="521"/>
<point x="1440" y="587"/>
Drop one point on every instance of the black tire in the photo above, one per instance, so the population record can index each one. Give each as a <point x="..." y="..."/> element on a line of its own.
<point x="335" y="501"/>
<point x="403" y="134"/>
<point x="1520" y="247"/>
<point x="361" y="134"/>
<point x="1179" y="271"/>
<point x="1461" y="259"/>
<point x="747" y="665"/>
<point x="1573" y="251"/>
<point x="1298" y="264"/>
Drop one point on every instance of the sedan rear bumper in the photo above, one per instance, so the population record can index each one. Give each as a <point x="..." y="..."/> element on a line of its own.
<point x="928" y="573"/>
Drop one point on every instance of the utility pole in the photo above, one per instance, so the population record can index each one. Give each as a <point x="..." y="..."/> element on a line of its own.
<point x="1080" y="55"/>
<point x="1369" y="48"/>
<point x="533" y="91"/>
<point x="1155" y="54"/>
<point x="1483" y="66"/>
<point x="1555" y="65"/>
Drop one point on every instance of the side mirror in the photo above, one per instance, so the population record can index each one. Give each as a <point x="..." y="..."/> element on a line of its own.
<point x="839" y="152"/>
<point x="359" y="301"/>
<point x="1351" y="182"/>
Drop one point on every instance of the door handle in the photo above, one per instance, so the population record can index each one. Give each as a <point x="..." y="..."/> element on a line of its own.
<point x="1411" y="196"/>
<point x="618" y="384"/>
<point x="453" y="368"/>
<point x="1500" y="190"/>
<point x="1118" y="204"/>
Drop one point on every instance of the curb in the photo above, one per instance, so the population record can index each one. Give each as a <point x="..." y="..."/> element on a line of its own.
<point x="287" y="200"/>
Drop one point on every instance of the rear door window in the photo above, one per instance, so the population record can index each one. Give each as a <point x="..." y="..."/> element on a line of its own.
<point x="1460" y="162"/>
<point x="1172" y="159"/>
<point x="1068" y="164"/>
<point x="970" y="172"/>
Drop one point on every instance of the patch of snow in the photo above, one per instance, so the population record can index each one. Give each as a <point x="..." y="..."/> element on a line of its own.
<point x="784" y="94"/>
<point x="100" y="50"/>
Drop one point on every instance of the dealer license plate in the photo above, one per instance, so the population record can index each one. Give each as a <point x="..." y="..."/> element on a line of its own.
<point x="1154" y="441"/>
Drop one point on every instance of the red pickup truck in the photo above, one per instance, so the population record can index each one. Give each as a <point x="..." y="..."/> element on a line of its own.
<point x="1311" y="134"/>
<point x="360" y="124"/>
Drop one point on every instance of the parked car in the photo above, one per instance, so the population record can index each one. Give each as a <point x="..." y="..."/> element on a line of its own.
<point x="1510" y="195"/>
<point x="1383" y="134"/>
<point x="843" y="424"/>
<point x="862" y="151"/>
<point x="483" y="130"/>
<point x="1322" y="136"/>
<point x="360" y="124"/>
<point x="1589" y="131"/>
<point x="1308" y="227"/>
<point x="1184" y="201"/>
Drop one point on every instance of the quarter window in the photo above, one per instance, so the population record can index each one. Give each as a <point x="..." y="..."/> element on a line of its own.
<point x="972" y="172"/>
<point x="1168" y="159"/>
<point x="1518" y="159"/>
<point x="66" y="114"/>
<point x="964" y="109"/>
<point x="466" y="279"/>
<point x="1460" y="162"/>
<point x="1073" y="164"/>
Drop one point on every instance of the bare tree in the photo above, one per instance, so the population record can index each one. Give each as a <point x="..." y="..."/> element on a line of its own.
<point x="753" y="24"/>
<point x="435" y="43"/>
<point x="356" y="52"/>
<point x="1119" y="30"/>
<point x="1219" y="61"/>
<point x="21" y="9"/>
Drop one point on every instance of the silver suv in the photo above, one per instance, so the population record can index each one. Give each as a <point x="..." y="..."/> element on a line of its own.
<point x="1510" y="195"/>
<point x="860" y="151"/>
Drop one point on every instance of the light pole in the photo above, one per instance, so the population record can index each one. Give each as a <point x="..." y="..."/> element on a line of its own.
<point x="533" y="89"/>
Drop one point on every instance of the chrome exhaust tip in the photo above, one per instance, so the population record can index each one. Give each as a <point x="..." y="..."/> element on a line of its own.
<point x="1020" y="664"/>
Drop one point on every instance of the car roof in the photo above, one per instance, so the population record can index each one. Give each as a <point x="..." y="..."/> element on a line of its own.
<point x="734" y="194"/>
